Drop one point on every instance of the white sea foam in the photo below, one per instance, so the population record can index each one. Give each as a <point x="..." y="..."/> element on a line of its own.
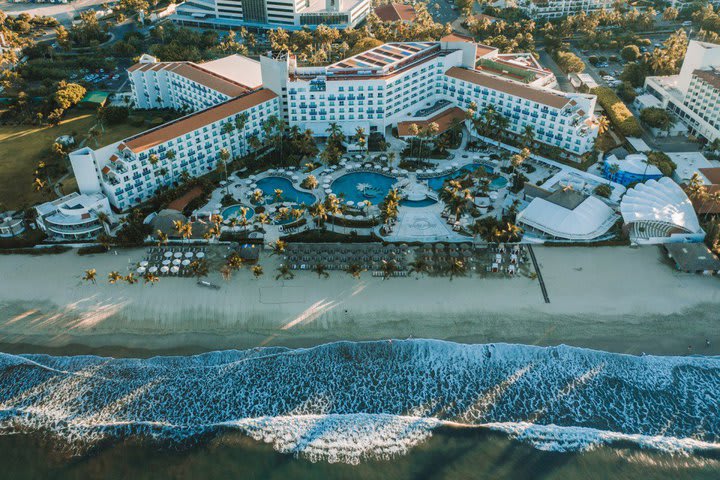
<point x="346" y="402"/>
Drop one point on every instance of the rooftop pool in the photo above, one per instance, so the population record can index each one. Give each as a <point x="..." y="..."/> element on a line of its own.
<point x="289" y="193"/>
<point x="363" y="186"/>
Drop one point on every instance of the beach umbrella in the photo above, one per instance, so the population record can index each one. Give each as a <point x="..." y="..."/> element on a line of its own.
<point x="385" y="169"/>
<point x="164" y="269"/>
<point x="350" y="203"/>
<point x="176" y="261"/>
<point x="153" y="269"/>
<point x="328" y="191"/>
<point x="144" y="263"/>
<point x="252" y="177"/>
<point x="166" y="262"/>
<point x="248" y="182"/>
<point x="186" y="262"/>
<point x="200" y="255"/>
<point x="188" y="254"/>
<point x="140" y="270"/>
<point x="167" y="254"/>
<point x="174" y="270"/>
<point x="178" y="254"/>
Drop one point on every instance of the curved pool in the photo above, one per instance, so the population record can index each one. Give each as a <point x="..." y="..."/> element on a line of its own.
<point x="234" y="211"/>
<point x="436" y="183"/>
<point x="362" y="186"/>
<point x="418" y="203"/>
<point x="290" y="194"/>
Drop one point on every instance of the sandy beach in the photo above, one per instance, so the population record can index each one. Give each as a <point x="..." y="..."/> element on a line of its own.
<point x="613" y="298"/>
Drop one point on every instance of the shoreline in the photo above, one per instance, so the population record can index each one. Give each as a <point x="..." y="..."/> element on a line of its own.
<point x="615" y="299"/>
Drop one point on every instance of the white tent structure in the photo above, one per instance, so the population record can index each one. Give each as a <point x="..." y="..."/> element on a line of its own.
<point x="567" y="216"/>
<point x="658" y="211"/>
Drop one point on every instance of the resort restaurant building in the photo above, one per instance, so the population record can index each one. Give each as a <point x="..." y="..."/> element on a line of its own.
<point x="74" y="217"/>
<point x="131" y="171"/>
<point x="633" y="168"/>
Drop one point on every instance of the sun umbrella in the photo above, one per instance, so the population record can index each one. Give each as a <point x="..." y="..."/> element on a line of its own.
<point x="164" y="269"/>
<point x="166" y="262"/>
<point x="153" y="269"/>
<point x="200" y="255"/>
<point x="176" y="261"/>
<point x="186" y="262"/>
<point x="144" y="263"/>
<point x="188" y="254"/>
<point x="168" y="254"/>
<point x="174" y="269"/>
<point x="141" y="270"/>
<point x="178" y="254"/>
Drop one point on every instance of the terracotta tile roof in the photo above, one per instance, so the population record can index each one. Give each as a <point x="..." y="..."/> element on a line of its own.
<point x="533" y="94"/>
<point x="393" y="12"/>
<point x="113" y="158"/>
<point x="709" y="76"/>
<point x="483" y="50"/>
<point x="122" y="147"/>
<point x="105" y="170"/>
<point x="443" y="119"/>
<point x="712" y="174"/>
<point x="704" y="205"/>
<point x="457" y="37"/>
<point x="190" y="123"/>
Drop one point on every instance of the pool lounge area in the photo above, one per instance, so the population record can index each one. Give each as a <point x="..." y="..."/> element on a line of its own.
<point x="290" y="194"/>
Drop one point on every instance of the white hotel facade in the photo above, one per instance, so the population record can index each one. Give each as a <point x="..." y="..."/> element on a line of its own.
<point x="375" y="90"/>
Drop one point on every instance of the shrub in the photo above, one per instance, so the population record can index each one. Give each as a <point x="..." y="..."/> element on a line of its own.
<point x="603" y="190"/>
<point x="618" y="112"/>
<point x="91" y="250"/>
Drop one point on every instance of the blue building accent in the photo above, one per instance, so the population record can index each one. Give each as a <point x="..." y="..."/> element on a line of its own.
<point x="626" y="178"/>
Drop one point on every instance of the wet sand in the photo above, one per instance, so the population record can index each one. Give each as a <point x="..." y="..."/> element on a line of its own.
<point x="612" y="298"/>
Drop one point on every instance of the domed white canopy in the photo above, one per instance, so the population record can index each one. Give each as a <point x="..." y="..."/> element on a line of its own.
<point x="662" y="201"/>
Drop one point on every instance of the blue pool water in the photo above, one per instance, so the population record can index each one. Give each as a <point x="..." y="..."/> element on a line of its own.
<point x="290" y="194"/>
<point x="379" y="186"/>
<point x="234" y="211"/>
<point x="436" y="183"/>
<point x="498" y="183"/>
<point x="418" y="203"/>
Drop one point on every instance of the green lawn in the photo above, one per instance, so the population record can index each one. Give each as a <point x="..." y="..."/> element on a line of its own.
<point x="22" y="147"/>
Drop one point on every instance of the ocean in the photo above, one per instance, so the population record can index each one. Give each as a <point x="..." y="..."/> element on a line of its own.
<point x="382" y="409"/>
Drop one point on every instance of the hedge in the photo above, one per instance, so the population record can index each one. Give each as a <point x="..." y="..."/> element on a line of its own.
<point x="617" y="111"/>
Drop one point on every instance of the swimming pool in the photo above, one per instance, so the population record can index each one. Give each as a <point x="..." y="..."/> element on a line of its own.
<point x="498" y="183"/>
<point x="436" y="183"/>
<point x="418" y="203"/>
<point x="234" y="211"/>
<point x="361" y="186"/>
<point x="290" y="194"/>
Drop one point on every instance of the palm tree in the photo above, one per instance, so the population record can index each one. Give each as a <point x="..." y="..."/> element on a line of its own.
<point x="284" y="272"/>
<point x="130" y="279"/>
<point x="153" y="159"/>
<point x="199" y="268"/>
<point x="277" y="195"/>
<point x="184" y="229"/>
<point x="419" y="266"/>
<point x="310" y="182"/>
<point x="258" y="196"/>
<point x="354" y="270"/>
<point x="613" y="171"/>
<point x="321" y="270"/>
<point x="162" y="238"/>
<point x="114" y="277"/>
<point x="224" y="156"/>
<point x="456" y="268"/>
<point x="528" y="136"/>
<point x="262" y="219"/>
<point x="318" y="212"/>
<point x="226" y="272"/>
<point x="257" y="271"/>
<point x="90" y="275"/>
<point x="234" y="261"/>
<point x="332" y="204"/>
<point x="151" y="278"/>
<point x="277" y="247"/>
<point x="388" y="268"/>
<point x="603" y="124"/>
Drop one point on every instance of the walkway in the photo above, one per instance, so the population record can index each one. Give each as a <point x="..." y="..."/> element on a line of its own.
<point x="539" y="274"/>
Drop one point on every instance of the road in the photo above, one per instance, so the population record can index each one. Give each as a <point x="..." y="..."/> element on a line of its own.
<point x="547" y="61"/>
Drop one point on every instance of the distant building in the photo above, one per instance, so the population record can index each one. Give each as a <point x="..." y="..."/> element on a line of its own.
<point x="634" y="168"/>
<point x="707" y="205"/>
<point x="693" y="258"/>
<point x="566" y="215"/>
<point x="74" y="217"/>
<point x="559" y="8"/>
<point x="659" y="211"/>
<point x="11" y="223"/>
<point x="688" y="164"/>
<point x="694" y="94"/>
<point x="395" y="12"/>
<point x="266" y="14"/>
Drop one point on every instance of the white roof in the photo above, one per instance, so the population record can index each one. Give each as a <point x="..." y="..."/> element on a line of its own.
<point x="647" y="101"/>
<point x="659" y="201"/>
<point x="638" y="144"/>
<point x="688" y="163"/>
<point x="588" y="220"/>
<point x="634" y="163"/>
<point x="237" y="68"/>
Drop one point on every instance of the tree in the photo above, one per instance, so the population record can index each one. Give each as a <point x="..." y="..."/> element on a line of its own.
<point x="670" y="14"/>
<point x="151" y="278"/>
<point x="224" y="156"/>
<point x="662" y="161"/>
<point x="364" y="45"/>
<point x="199" y="268"/>
<point x="656" y="118"/>
<point x="184" y="229"/>
<point x="419" y="266"/>
<point x="90" y="275"/>
<point x="603" y="124"/>
<point x="456" y="268"/>
<point x="257" y="271"/>
<point x="354" y="270"/>
<point x="284" y="272"/>
<point x="321" y="270"/>
<point x="114" y="277"/>
<point x="309" y="182"/>
<point x="630" y="53"/>
<point x="68" y="94"/>
<point x="278" y="247"/>
<point x="569" y="62"/>
<point x="388" y="268"/>
<point x="603" y="190"/>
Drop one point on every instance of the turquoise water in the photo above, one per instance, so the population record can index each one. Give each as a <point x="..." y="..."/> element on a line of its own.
<point x="290" y="194"/>
<point x="436" y="183"/>
<point x="498" y="183"/>
<point x="347" y="186"/>
<point x="418" y="203"/>
<point x="234" y="211"/>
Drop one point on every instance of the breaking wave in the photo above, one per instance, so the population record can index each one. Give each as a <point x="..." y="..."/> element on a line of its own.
<point x="347" y="402"/>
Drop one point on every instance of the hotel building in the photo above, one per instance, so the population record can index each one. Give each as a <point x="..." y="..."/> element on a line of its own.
<point x="375" y="90"/>
<point x="265" y="14"/>
<point x="560" y="8"/>
<point x="74" y="216"/>
<point x="694" y="94"/>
